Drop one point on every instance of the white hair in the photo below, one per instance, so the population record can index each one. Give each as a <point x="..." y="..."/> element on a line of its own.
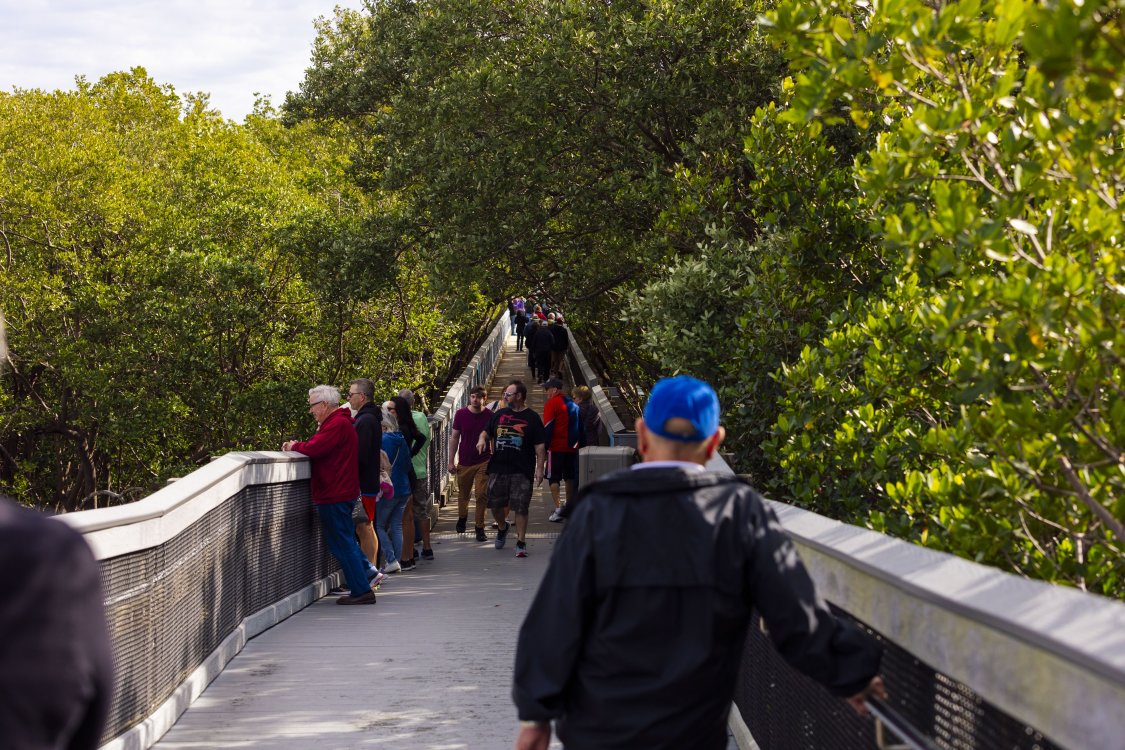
<point x="325" y="393"/>
<point x="407" y="394"/>
<point x="390" y="422"/>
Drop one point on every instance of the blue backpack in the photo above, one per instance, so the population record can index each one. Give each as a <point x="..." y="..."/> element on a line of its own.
<point x="575" y="435"/>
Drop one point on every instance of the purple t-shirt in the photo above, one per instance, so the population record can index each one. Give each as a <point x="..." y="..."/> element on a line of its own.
<point x="470" y="426"/>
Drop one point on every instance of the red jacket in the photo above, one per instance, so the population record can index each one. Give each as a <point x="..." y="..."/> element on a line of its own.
<point x="334" y="451"/>
<point x="556" y="421"/>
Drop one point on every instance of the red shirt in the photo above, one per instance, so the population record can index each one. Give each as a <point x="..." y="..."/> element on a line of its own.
<point x="334" y="451"/>
<point x="555" y="410"/>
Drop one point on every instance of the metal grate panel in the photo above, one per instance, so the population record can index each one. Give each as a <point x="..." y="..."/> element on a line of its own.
<point x="169" y="607"/>
<point x="785" y="710"/>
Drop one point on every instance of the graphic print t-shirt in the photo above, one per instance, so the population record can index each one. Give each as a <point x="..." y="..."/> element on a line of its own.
<point x="515" y="435"/>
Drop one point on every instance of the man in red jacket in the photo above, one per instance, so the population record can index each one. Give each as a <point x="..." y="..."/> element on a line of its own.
<point x="334" y="451"/>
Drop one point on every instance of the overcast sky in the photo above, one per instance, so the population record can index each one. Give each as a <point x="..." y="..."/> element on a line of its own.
<point x="229" y="48"/>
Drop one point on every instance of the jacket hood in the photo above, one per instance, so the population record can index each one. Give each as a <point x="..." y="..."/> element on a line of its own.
<point x="342" y="413"/>
<point x="665" y="479"/>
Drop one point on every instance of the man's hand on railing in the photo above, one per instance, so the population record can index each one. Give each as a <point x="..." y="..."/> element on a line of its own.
<point x="874" y="689"/>
<point x="533" y="736"/>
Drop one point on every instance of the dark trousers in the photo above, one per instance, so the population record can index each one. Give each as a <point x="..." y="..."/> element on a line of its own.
<point x="519" y="339"/>
<point x="542" y="365"/>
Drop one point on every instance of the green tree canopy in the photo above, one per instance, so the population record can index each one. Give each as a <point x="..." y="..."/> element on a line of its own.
<point x="173" y="282"/>
<point x="976" y="403"/>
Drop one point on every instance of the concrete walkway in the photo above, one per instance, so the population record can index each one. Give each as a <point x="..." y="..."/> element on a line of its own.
<point x="427" y="668"/>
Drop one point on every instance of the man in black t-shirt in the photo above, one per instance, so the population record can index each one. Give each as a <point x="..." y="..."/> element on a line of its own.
<point x="519" y="453"/>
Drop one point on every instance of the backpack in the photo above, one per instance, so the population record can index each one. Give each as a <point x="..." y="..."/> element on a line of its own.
<point x="575" y="434"/>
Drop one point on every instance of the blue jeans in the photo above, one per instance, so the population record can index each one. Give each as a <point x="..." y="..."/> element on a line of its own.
<point x="388" y="525"/>
<point x="339" y="535"/>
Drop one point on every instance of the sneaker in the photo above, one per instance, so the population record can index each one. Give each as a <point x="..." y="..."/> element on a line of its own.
<point x="409" y="564"/>
<point x="521" y="549"/>
<point x="495" y="525"/>
<point x="368" y="598"/>
<point x="376" y="579"/>
<point x="461" y="523"/>
<point x="393" y="567"/>
<point x="556" y="515"/>
<point x="502" y="536"/>
<point x="427" y="554"/>
<point x="481" y="536"/>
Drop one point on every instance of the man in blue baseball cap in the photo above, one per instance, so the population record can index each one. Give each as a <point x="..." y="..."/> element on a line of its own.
<point x="635" y="634"/>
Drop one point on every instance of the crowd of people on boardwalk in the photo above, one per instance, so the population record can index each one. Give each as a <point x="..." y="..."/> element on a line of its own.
<point x="369" y="483"/>
<point x="623" y="646"/>
<point x="369" y="460"/>
<point x="589" y="654"/>
<point x="543" y="333"/>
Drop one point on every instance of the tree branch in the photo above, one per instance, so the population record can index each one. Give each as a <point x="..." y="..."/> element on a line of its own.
<point x="1084" y="495"/>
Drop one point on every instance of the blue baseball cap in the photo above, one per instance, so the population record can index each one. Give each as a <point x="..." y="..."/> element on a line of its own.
<point x="683" y="397"/>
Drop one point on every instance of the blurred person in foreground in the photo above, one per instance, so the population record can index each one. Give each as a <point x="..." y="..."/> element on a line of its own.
<point x="334" y="451"/>
<point x="56" y="663"/>
<point x="626" y="645"/>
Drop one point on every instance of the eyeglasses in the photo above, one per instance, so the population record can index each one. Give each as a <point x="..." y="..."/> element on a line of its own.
<point x="354" y="394"/>
<point x="510" y="395"/>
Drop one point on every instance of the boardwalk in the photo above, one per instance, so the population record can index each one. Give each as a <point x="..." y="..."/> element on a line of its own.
<point x="429" y="666"/>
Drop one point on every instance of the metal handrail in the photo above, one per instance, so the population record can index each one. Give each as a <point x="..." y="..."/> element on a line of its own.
<point x="887" y="718"/>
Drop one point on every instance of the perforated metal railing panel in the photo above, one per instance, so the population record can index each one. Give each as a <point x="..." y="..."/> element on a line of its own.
<point x="170" y="606"/>
<point x="785" y="710"/>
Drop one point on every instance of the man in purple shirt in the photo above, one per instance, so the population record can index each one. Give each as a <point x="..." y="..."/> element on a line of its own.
<point x="466" y="463"/>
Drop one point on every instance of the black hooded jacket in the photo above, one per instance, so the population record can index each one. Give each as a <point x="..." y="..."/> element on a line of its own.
<point x="561" y="339"/>
<point x="369" y="430"/>
<point x="542" y="340"/>
<point x="634" y="638"/>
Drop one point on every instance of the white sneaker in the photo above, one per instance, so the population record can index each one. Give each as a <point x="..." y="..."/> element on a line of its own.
<point x="393" y="567"/>
<point x="556" y="515"/>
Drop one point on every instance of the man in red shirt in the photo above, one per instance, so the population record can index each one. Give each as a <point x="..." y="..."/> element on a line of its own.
<point x="562" y="457"/>
<point x="334" y="451"/>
